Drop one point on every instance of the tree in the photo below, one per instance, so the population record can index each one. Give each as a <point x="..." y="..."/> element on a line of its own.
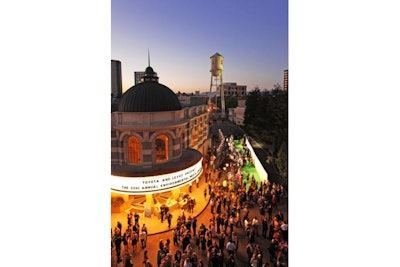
<point x="250" y="114"/>
<point x="231" y="102"/>
<point x="277" y="86"/>
<point x="266" y="118"/>
<point x="281" y="161"/>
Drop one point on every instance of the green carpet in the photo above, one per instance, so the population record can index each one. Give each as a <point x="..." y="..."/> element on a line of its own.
<point x="238" y="145"/>
<point x="248" y="169"/>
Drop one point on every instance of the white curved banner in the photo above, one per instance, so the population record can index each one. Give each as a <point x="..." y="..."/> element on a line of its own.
<point x="156" y="183"/>
<point x="257" y="164"/>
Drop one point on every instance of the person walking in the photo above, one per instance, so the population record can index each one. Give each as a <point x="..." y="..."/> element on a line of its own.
<point x="255" y="225"/>
<point x="129" y="218"/>
<point x="264" y="223"/>
<point x="212" y="204"/>
<point x="176" y="236"/>
<point x="135" y="238"/>
<point x="117" y="242"/>
<point x="238" y="219"/>
<point x="203" y="244"/>
<point x="221" y="240"/>
<point x="128" y="261"/>
<point x="235" y="240"/>
<point x="249" y="251"/>
<point x="159" y="257"/>
<point x="143" y="239"/>
<point x="231" y="247"/>
<point x="145" y="257"/>
<point x="284" y="229"/>
<point x="136" y="217"/>
<point x="169" y="219"/>
<point x="119" y="225"/>
<point x="194" y="225"/>
<point x="144" y="229"/>
<point x="185" y="241"/>
<point x="231" y="223"/>
<point x="125" y="241"/>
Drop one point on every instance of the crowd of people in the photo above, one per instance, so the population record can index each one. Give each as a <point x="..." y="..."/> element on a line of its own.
<point x="232" y="197"/>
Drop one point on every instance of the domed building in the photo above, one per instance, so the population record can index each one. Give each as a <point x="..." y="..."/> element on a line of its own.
<point x="157" y="147"/>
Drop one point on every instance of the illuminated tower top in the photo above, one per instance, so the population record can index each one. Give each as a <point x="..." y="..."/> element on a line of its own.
<point x="217" y="65"/>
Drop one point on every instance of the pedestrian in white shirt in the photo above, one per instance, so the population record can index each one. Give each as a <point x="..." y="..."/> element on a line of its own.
<point x="255" y="225"/>
<point x="231" y="247"/>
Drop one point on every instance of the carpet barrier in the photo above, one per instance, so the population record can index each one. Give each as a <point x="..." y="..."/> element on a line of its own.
<point x="257" y="164"/>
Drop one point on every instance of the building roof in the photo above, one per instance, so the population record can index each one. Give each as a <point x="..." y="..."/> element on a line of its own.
<point x="216" y="55"/>
<point x="149" y="96"/>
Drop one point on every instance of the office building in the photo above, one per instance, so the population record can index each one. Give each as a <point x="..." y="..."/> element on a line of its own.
<point x="116" y="83"/>
<point x="232" y="89"/>
<point x="286" y="80"/>
<point x="138" y="76"/>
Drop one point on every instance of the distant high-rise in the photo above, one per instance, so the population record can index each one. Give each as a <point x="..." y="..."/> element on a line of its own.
<point x="138" y="76"/>
<point x="286" y="80"/>
<point x="116" y="79"/>
<point x="116" y="84"/>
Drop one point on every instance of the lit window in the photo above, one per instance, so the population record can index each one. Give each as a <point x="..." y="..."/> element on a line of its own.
<point x="133" y="150"/>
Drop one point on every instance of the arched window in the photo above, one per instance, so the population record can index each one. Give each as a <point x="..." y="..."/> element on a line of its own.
<point x="133" y="150"/>
<point x="161" y="148"/>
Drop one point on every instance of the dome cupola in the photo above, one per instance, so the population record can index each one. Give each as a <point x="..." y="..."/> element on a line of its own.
<point x="149" y="96"/>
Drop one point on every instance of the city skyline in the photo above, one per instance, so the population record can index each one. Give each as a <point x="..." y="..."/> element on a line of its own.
<point x="182" y="36"/>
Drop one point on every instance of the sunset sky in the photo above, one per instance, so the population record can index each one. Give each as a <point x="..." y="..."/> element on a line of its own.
<point x="182" y="35"/>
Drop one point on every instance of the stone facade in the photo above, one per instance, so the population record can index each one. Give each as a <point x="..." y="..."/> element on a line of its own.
<point x="186" y="128"/>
